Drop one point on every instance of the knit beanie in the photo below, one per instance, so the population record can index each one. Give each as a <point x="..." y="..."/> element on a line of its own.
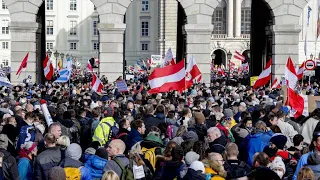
<point x="279" y="140"/>
<point x="74" y="151"/>
<point x="190" y="135"/>
<point x="197" y="166"/>
<point x="277" y="163"/>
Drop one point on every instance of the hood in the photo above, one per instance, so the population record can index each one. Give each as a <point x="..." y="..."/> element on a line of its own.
<point x="95" y="162"/>
<point x="314" y="159"/>
<point x="68" y="123"/>
<point x="152" y="141"/>
<point x="195" y="175"/>
<point x="221" y="140"/>
<point x="68" y="162"/>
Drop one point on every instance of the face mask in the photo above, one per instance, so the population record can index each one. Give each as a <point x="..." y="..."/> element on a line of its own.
<point x="279" y="173"/>
<point x="129" y="128"/>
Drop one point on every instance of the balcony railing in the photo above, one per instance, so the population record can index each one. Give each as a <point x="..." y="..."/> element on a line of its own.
<point x="224" y="36"/>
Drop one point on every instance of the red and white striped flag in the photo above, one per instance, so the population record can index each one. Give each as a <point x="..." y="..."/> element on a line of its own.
<point x="276" y="84"/>
<point x="167" y="78"/>
<point x="193" y="73"/>
<point x="300" y="71"/>
<point x="48" y="68"/>
<point x="294" y="100"/>
<point x="96" y="84"/>
<point x="221" y="72"/>
<point x="264" y="77"/>
<point x="239" y="56"/>
<point x="89" y="66"/>
<point x="168" y="60"/>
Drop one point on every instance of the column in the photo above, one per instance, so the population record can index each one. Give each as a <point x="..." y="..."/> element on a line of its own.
<point x="23" y="41"/>
<point x="111" y="49"/>
<point x="198" y="45"/>
<point x="161" y="27"/>
<point x="230" y="19"/>
<point x="238" y="19"/>
<point x="286" y="43"/>
<point x="171" y="16"/>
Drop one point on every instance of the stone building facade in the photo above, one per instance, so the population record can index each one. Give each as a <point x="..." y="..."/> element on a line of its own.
<point x="286" y="30"/>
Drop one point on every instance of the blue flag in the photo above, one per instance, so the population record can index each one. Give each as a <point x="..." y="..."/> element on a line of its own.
<point x="64" y="76"/>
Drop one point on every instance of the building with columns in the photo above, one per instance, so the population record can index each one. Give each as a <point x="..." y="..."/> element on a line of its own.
<point x="276" y="26"/>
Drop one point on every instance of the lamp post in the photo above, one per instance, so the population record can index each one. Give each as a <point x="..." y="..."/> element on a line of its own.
<point x="311" y="56"/>
<point x="56" y="55"/>
<point x="62" y="56"/>
<point x="49" y="53"/>
<point x="229" y="55"/>
<point x="213" y="57"/>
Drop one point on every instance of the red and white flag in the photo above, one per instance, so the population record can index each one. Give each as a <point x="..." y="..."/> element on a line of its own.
<point x="168" y="60"/>
<point x="48" y="68"/>
<point x="221" y="72"/>
<point x="96" y="84"/>
<point x="264" y="77"/>
<point x="300" y="71"/>
<point x="89" y="66"/>
<point x="276" y="84"/>
<point x="193" y="74"/>
<point x="294" y="100"/>
<point x="167" y="78"/>
<point x="96" y="61"/>
<point x="23" y="65"/>
<point x="239" y="56"/>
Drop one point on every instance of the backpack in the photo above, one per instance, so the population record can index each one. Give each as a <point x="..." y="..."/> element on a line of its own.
<point x="150" y="155"/>
<point x="237" y="171"/>
<point x="120" y="135"/>
<point x="72" y="133"/>
<point x="85" y="132"/>
<point x="127" y="173"/>
<point x="27" y="133"/>
<point x="73" y="173"/>
<point x="113" y="130"/>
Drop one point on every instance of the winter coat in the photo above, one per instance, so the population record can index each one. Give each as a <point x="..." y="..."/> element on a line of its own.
<point x="101" y="133"/>
<point x="172" y="169"/>
<point x="149" y="121"/>
<point x="263" y="173"/>
<point x="314" y="164"/>
<point x="68" y="162"/>
<point x="25" y="169"/>
<point x="46" y="160"/>
<point x="213" y="174"/>
<point x="95" y="165"/>
<point x="296" y="126"/>
<point x="236" y="169"/>
<point x="112" y="165"/>
<point x="9" y="166"/>
<point x="133" y="138"/>
<point x="70" y="129"/>
<point x="152" y="141"/>
<point x="308" y="128"/>
<point x="288" y="131"/>
<point x="194" y="175"/>
<point x="201" y="130"/>
<point x="219" y="144"/>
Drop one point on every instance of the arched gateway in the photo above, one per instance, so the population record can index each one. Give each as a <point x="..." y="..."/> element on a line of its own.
<point x="24" y="28"/>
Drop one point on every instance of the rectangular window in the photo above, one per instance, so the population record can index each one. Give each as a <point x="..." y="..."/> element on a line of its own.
<point x="73" y="46"/>
<point x="144" y="47"/>
<point x="50" y="46"/>
<point x="4" y="6"/>
<point x="245" y="21"/>
<point x="49" y="4"/>
<point x="5" y="45"/>
<point x="5" y="26"/>
<point x="95" y="46"/>
<point x="73" y="5"/>
<point x="144" y="5"/>
<point x="5" y="62"/>
<point x="95" y="28"/>
<point x="73" y="28"/>
<point x="49" y="27"/>
<point x="144" y="28"/>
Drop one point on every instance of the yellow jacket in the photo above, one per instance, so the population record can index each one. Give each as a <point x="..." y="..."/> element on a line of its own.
<point x="211" y="171"/>
<point x="102" y="132"/>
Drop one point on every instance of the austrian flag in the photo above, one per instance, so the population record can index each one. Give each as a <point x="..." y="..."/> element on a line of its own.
<point x="96" y="84"/>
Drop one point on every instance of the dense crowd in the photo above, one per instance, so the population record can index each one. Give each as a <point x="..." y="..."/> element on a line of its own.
<point x="216" y="132"/>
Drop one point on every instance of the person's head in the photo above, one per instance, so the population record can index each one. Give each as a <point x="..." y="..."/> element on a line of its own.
<point x="110" y="175"/>
<point x="232" y="151"/>
<point x="260" y="125"/>
<point x="154" y="130"/>
<point x="29" y="108"/>
<point x="247" y="122"/>
<point x="315" y="144"/>
<point x="55" y="129"/>
<point x="4" y="141"/>
<point x="181" y="130"/>
<point x="278" y="141"/>
<point x="305" y="173"/>
<point x="30" y="149"/>
<point x="74" y="151"/>
<point x="298" y="141"/>
<point x="125" y="124"/>
<point x="63" y="141"/>
<point x="186" y="112"/>
<point x="149" y="108"/>
<point x="278" y="167"/>
<point x="281" y="115"/>
<point x="168" y="150"/>
<point x="260" y="159"/>
<point x="216" y="157"/>
<point x="139" y="126"/>
<point x="96" y="112"/>
<point x="57" y="173"/>
<point x="116" y="147"/>
<point x="130" y="105"/>
<point x="12" y="121"/>
<point x="29" y="118"/>
<point x="177" y="153"/>
<point x="213" y="133"/>
<point x="273" y="119"/>
<point x="49" y="140"/>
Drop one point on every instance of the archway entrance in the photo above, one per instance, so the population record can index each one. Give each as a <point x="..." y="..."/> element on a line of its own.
<point x="40" y="44"/>
<point x="247" y="56"/>
<point x="181" y="34"/>
<point x="220" y="57"/>
<point x="261" y="36"/>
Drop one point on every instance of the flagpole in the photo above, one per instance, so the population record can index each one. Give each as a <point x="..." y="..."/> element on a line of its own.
<point x="185" y="94"/>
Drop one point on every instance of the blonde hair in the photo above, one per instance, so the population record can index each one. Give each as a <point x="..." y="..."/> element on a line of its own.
<point x="110" y="175"/>
<point x="305" y="173"/>
<point x="63" y="141"/>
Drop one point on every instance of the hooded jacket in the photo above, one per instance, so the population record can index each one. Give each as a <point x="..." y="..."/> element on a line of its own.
<point x="133" y="138"/>
<point x="102" y="131"/>
<point x="9" y="166"/>
<point x="172" y="169"/>
<point x="194" y="175"/>
<point x="95" y="164"/>
<point x="69" y="162"/>
<point x="314" y="164"/>
<point x="70" y="129"/>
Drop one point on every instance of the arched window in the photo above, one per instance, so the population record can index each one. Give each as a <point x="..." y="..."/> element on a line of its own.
<point x="246" y="17"/>
<point x="219" y="18"/>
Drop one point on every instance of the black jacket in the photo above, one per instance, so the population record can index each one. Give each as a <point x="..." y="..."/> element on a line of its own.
<point x="9" y="166"/>
<point x="194" y="175"/>
<point x="150" y="120"/>
<point x="46" y="160"/>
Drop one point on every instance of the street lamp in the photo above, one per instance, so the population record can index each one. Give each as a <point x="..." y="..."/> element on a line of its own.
<point x="229" y="55"/>
<point x="213" y="57"/>
<point x="49" y="53"/>
<point x="56" y="55"/>
<point x="67" y="56"/>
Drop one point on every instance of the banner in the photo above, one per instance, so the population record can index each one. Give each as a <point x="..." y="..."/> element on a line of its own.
<point x="253" y="80"/>
<point x="156" y="60"/>
<point x="122" y="86"/>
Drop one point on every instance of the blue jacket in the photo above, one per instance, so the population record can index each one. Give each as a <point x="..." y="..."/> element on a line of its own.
<point x="25" y="169"/>
<point x="95" y="165"/>
<point x="303" y="161"/>
<point x="256" y="143"/>
<point x="85" y="173"/>
<point x="133" y="138"/>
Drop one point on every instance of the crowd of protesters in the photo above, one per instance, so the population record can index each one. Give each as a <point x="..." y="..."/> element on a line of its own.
<point x="210" y="132"/>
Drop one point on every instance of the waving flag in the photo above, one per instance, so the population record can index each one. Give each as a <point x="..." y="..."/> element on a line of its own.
<point x="64" y="76"/>
<point x="239" y="56"/>
<point x="300" y="71"/>
<point x="23" y="65"/>
<point x="59" y="65"/>
<point x="4" y="81"/>
<point x="276" y="84"/>
<point x="48" y="68"/>
<point x="69" y="64"/>
<point x="96" y="83"/>
<point x="168" y="60"/>
<point x="193" y="73"/>
<point x="264" y="77"/>
<point x="89" y="65"/>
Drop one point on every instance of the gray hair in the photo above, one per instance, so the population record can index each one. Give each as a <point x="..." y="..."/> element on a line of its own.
<point x="214" y="130"/>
